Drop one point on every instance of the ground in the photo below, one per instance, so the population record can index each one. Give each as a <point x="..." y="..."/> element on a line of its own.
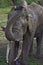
<point x="4" y="41"/>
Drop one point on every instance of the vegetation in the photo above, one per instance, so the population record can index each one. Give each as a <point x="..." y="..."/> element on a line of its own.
<point x="6" y="3"/>
<point x="2" y="56"/>
<point x="3" y="19"/>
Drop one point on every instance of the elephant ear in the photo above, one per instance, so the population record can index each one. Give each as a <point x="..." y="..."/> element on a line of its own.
<point x="32" y="21"/>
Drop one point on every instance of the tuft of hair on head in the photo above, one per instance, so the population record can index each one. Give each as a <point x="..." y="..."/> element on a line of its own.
<point x="24" y="3"/>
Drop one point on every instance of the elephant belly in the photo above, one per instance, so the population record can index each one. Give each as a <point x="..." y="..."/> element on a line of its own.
<point x="39" y="30"/>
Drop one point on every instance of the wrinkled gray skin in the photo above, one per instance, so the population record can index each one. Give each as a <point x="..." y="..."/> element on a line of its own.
<point x="39" y="29"/>
<point x="38" y="35"/>
<point x="35" y="25"/>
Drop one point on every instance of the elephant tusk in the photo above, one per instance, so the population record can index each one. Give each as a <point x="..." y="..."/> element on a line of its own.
<point x="7" y="53"/>
<point x="19" y="50"/>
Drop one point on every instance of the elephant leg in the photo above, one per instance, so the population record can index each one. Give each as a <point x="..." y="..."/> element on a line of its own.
<point x="31" y="50"/>
<point x="38" y="39"/>
<point x="25" y="50"/>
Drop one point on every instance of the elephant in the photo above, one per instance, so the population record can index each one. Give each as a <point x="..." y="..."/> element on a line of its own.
<point x="33" y="16"/>
<point x="39" y="28"/>
<point x="40" y="2"/>
<point x="17" y="14"/>
<point x="38" y="35"/>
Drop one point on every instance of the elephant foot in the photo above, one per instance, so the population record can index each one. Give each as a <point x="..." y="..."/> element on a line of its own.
<point x="18" y="63"/>
<point x="39" y="57"/>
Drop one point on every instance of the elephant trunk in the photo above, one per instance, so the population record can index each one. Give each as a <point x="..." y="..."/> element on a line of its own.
<point x="8" y="32"/>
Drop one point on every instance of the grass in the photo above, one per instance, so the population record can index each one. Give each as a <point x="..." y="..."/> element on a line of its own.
<point x="2" y="56"/>
<point x="3" y="20"/>
<point x="5" y="10"/>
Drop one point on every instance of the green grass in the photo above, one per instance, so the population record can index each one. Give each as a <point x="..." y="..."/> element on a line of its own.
<point x="34" y="61"/>
<point x="3" y="20"/>
<point x="2" y="56"/>
<point x="5" y="10"/>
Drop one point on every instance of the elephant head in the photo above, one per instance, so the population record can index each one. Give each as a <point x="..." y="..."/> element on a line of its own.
<point x="11" y="21"/>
